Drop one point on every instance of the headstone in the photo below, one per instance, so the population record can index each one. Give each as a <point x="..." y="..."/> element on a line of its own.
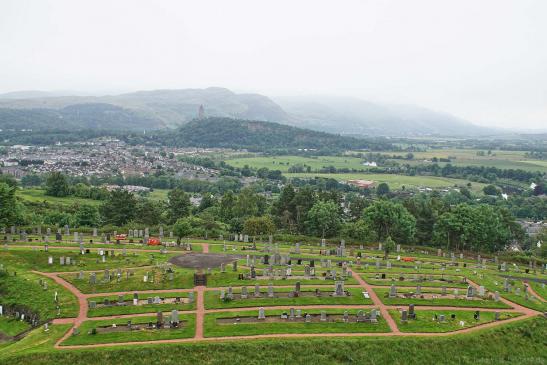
<point x="323" y="317"/>
<point x="392" y="291"/>
<point x="470" y="292"/>
<point x="339" y="289"/>
<point x="261" y="313"/>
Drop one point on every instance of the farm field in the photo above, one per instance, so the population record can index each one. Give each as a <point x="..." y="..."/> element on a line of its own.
<point x="469" y="157"/>
<point x="282" y="163"/>
<point x="398" y="181"/>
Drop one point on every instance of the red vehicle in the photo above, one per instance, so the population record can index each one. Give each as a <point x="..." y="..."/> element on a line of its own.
<point x="153" y="241"/>
<point x="408" y="259"/>
<point x="120" y="237"/>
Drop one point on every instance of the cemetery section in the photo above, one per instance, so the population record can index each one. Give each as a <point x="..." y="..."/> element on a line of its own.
<point x="103" y="289"/>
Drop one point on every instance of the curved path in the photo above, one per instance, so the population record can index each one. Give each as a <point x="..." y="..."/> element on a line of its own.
<point x="200" y="313"/>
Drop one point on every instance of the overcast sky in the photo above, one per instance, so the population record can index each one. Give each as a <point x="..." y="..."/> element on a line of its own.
<point x="485" y="61"/>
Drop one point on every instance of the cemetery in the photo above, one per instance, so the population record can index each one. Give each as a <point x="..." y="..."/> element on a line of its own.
<point x="88" y="290"/>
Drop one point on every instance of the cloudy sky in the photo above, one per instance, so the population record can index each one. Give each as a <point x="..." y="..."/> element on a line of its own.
<point x="483" y="60"/>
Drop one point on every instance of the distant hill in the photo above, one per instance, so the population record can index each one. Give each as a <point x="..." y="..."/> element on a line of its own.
<point x="353" y="116"/>
<point x="256" y="136"/>
<point x="157" y="109"/>
<point x="76" y="117"/>
<point x="151" y="109"/>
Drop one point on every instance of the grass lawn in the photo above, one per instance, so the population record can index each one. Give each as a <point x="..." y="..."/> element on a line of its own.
<point x="521" y="342"/>
<point x="440" y="301"/>
<point x="185" y="330"/>
<point x="212" y="298"/>
<point x="134" y="309"/>
<point x="24" y="289"/>
<point x="214" y="329"/>
<point x="39" y="195"/>
<point x="425" y="321"/>
<point x="540" y="289"/>
<point x="12" y="327"/>
<point x="37" y="341"/>
<point x="182" y="279"/>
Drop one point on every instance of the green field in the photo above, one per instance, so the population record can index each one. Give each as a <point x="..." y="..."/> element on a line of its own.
<point x="398" y="181"/>
<point x="39" y="196"/>
<point x="469" y="157"/>
<point x="282" y="163"/>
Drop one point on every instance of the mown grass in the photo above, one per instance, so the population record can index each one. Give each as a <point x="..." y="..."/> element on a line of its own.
<point x="214" y="329"/>
<point x="39" y="196"/>
<point x="521" y="342"/>
<point x="24" y="289"/>
<point x="12" y="326"/>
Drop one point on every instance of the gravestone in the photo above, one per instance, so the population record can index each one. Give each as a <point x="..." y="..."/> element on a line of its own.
<point x="261" y="313"/>
<point x="392" y="291"/>
<point x="339" y="289"/>
<point x="323" y="317"/>
<point x="470" y="292"/>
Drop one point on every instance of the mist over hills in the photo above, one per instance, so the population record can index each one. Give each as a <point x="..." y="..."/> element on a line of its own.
<point x="158" y="109"/>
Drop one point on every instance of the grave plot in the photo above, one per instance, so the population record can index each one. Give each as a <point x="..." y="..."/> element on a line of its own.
<point x="202" y="261"/>
<point x="236" y="275"/>
<point x="134" y="329"/>
<point x="140" y="303"/>
<point x="539" y="288"/>
<point x="61" y="260"/>
<point x="247" y="323"/>
<point x="424" y="280"/>
<point x="424" y="321"/>
<point x="254" y="296"/>
<point x="438" y="297"/>
<point x="514" y="290"/>
<point x="132" y="279"/>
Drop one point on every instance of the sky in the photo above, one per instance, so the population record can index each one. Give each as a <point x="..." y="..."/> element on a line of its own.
<point x="482" y="60"/>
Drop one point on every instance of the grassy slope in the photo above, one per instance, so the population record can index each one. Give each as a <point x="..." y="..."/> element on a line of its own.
<point x="38" y="196"/>
<point x="515" y="343"/>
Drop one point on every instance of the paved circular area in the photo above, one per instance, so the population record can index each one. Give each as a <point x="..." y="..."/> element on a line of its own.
<point x="201" y="260"/>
